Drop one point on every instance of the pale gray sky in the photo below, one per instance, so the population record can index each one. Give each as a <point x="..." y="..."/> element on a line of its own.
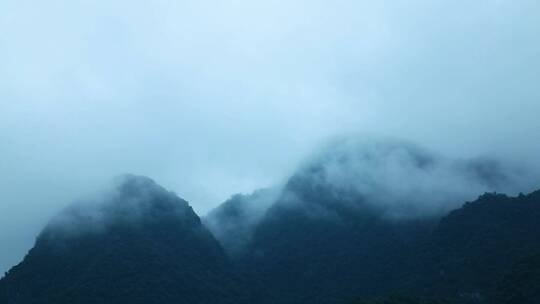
<point x="211" y="98"/>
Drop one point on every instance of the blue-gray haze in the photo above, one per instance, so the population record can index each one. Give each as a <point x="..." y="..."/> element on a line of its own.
<point x="211" y="98"/>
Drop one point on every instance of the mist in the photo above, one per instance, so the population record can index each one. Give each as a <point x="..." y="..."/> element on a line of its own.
<point x="212" y="98"/>
<point x="129" y="200"/>
<point x="398" y="179"/>
<point x="234" y="222"/>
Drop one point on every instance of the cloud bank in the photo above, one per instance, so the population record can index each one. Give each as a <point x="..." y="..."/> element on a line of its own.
<point x="400" y="179"/>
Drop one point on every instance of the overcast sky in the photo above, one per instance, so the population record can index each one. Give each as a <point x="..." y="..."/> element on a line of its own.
<point x="211" y="98"/>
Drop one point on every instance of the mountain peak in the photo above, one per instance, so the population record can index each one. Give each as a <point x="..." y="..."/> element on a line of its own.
<point x="134" y="200"/>
<point x="138" y="244"/>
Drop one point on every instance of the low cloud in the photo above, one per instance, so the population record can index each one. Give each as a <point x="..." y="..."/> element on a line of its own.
<point x="234" y="221"/>
<point x="132" y="200"/>
<point x="401" y="179"/>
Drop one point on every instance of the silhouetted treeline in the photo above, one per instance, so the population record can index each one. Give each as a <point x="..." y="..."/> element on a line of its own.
<point x="325" y="247"/>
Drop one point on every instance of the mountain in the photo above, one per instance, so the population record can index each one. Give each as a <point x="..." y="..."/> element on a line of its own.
<point x="522" y="282"/>
<point x="325" y="242"/>
<point x="358" y="223"/>
<point x="402" y="300"/>
<point x="141" y="244"/>
<point x="476" y="247"/>
<point x="375" y="220"/>
<point x="487" y="251"/>
<point x="234" y="221"/>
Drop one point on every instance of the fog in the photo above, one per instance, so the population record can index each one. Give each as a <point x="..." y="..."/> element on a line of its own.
<point x="129" y="200"/>
<point x="399" y="180"/>
<point x="212" y="98"/>
<point x="234" y="222"/>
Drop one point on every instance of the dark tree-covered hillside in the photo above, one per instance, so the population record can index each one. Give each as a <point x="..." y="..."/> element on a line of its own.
<point x="522" y="283"/>
<point x="315" y="244"/>
<point x="475" y="246"/>
<point x="144" y="245"/>
<point x="402" y="300"/>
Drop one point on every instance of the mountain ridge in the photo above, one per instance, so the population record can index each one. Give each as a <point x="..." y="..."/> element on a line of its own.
<point x="158" y="253"/>
<point x="357" y="221"/>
